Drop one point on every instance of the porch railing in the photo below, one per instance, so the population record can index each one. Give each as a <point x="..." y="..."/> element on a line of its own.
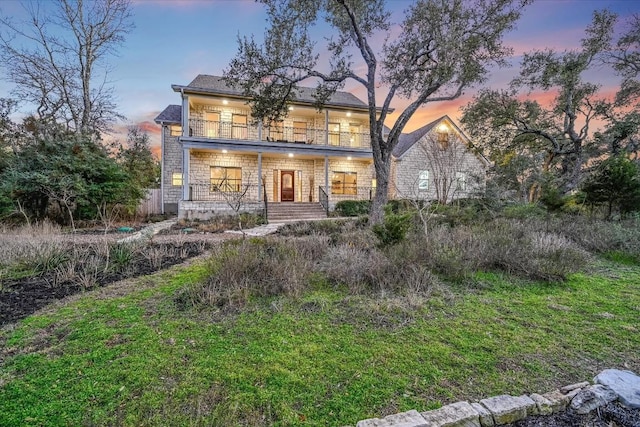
<point x="230" y="193"/>
<point x="296" y="135"/>
<point x="324" y="199"/>
<point x="353" y="193"/>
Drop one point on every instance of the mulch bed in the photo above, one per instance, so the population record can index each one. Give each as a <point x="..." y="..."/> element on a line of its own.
<point x="23" y="297"/>
<point x="610" y="415"/>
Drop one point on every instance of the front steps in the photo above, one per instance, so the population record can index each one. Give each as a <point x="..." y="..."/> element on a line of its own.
<point x="291" y="211"/>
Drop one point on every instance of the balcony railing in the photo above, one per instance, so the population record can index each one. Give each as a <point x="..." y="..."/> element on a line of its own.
<point x="296" y="135"/>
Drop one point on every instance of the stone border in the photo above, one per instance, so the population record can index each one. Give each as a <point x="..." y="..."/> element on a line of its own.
<point x="505" y="409"/>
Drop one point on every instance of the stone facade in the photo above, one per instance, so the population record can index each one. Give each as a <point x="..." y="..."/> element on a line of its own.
<point x="172" y="163"/>
<point x="442" y="165"/>
<point x="309" y="174"/>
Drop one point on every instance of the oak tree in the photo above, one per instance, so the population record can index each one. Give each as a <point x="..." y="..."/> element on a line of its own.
<point x="439" y="49"/>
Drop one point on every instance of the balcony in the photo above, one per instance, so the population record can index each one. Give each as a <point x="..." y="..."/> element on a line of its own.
<point x="216" y="130"/>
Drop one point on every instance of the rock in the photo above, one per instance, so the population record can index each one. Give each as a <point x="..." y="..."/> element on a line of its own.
<point x="459" y="414"/>
<point x="591" y="398"/>
<point x="486" y="419"/>
<point x="509" y="409"/>
<point x="544" y="405"/>
<point x="573" y="393"/>
<point x="566" y="389"/>
<point x="558" y="400"/>
<point x="625" y="384"/>
<point x="410" y="418"/>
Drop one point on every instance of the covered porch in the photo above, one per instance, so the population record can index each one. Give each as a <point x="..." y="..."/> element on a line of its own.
<point x="221" y="181"/>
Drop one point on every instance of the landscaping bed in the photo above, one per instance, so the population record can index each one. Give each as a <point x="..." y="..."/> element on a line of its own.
<point x="46" y="272"/>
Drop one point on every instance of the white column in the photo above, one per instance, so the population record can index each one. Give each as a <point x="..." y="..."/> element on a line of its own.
<point x="259" y="130"/>
<point x="260" y="183"/>
<point x="185" y="173"/>
<point x="326" y="174"/>
<point x="164" y="129"/>
<point x="185" y="115"/>
<point x="326" y="128"/>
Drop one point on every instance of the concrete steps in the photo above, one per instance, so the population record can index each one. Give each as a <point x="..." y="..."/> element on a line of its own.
<point x="289" y="211"/>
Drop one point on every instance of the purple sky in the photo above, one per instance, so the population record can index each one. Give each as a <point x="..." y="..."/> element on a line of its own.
<point x="175" y="40"/>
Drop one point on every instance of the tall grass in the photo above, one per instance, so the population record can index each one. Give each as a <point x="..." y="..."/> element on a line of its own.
<point x="41" y="250"/>
<point x="343" y="254"/>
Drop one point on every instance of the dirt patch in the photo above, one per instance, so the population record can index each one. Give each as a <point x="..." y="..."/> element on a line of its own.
<point x="610" y="415"/>
<point x="22" y="297"/>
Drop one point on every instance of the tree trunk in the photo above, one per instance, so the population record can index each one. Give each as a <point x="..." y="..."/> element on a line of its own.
<point x="382" y="191"/>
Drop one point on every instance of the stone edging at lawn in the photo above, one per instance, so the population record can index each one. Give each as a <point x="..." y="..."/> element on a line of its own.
<point x="610" y="385"/>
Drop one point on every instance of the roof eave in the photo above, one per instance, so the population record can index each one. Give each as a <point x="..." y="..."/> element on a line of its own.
<point x="205" y="91"/>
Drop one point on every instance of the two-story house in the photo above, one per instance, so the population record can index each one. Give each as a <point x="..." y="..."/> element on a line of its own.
<point x="214" y="152"/>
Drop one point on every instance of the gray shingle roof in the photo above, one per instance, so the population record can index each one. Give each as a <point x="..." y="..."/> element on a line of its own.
<point x="406" y="140"/>
<point x="216" y="85"/>
<point x="171" y="114"/>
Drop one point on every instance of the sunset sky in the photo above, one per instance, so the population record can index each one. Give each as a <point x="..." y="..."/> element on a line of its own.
<point x="175" y="40"/>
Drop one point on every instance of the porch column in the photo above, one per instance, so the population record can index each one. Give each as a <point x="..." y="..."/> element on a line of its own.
<point x="259" y="130"/>
<point x="326" y="174"/>
<point x="260" y="183"/>
<point x="185" y="173"/>
<point x="326" y="129"/>
<point x="162" y="168"/>
<point x="185" y="115"/>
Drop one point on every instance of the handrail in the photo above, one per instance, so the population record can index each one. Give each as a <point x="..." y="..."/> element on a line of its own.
<point x="264" y="198"/>
<point x="323" y="197"/>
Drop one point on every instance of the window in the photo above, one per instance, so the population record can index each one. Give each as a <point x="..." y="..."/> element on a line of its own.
<point x="443" y="138"/>
<point x="300" y="131"/>
<point x="175" y="130"/>
<point x="355" y="135"/>
<point x="212" y="124"/>
<point x="239" y="126"/>
<point x="344" y="183"/>
<point x="176" y="178"/>
<point x="461" y="181"/>
<point x="334" y="133"/>
<point x="423" y="180"/>
<point x="226" y="179"/>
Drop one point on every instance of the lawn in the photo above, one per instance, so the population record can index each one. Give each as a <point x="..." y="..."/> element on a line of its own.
<point x="132" y="354"/>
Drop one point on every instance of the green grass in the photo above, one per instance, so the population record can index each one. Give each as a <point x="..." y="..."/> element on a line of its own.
<point x="129" y="356"/>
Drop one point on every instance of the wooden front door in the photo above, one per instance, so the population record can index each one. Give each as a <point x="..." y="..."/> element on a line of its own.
<point x="286" y="186"/>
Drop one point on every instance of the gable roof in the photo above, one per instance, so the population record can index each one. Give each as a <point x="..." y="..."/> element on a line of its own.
<point x="208" y="84"/>
<point x="408" y="140"/>
<point x="170" y="115"/>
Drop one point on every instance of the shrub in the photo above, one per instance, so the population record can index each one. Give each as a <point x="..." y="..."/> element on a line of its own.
<point x="524" y="211"/>
<point x="393" y="230"/>
<point x="255" y="268"/>
<point x="353" y="207"/>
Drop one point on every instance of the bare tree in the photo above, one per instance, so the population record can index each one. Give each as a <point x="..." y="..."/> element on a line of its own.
<point x="441" y="48"/>
<point x="57" y="59"/>
<point x="440" y="180"/>
<point x="445" y="162"/>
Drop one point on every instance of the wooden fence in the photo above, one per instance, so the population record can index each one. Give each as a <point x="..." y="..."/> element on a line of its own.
<point x="152" y="204"/>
